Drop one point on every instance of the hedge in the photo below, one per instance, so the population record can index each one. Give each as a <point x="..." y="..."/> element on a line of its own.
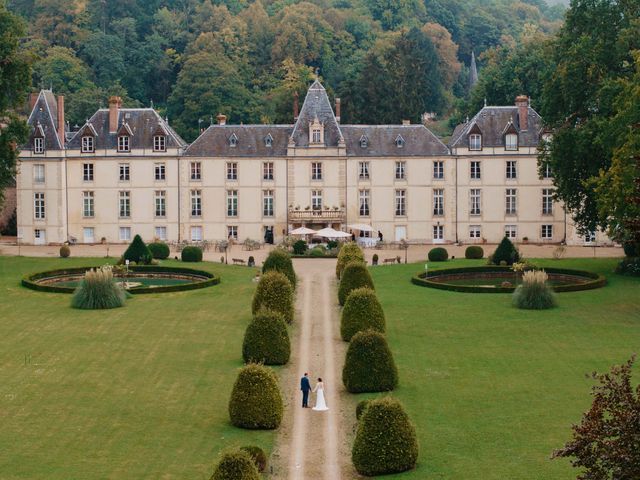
<point x="137" y="251"/>
<point x="438" y="254"/>
<point x="280" y="261"/>
<point x="362" y="311"/>
<point x="266" y="339"/>
<point x="191" y="254"/>
<point x="348" y="253"/>
<point x="369" y="364"/>
<point x="159" y="250"/>
<point x="274" y="292"/>
<point x="236" y="465"/>
<point x="473" y="252"/>
<point x="355" y="275"/>
<point x="256" y="401"/>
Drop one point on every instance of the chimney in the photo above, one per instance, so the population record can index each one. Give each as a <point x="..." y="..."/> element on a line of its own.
<point x="406" y="122"/>
<point x="114" y="105"/>
<point x="33" y="98"/>
<point x="61" y="119"/>
<point x="522" y="102"/>
<point x="295" y="106"/>
<point x="222" y="119"/>
<point x="337" y="109"/>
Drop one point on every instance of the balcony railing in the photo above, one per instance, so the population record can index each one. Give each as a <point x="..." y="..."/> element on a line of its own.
<point x="318" y="215"/>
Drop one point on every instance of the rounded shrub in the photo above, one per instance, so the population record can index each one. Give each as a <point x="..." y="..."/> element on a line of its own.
<point x="505" y="252"/>
<point x="299" y="247"/>
<point x="438" y="254"/>
<point x="98" y="291"/>
<point x="534" y="293"/>
<point x="355" y="275"/>
<point x="369" y="364"/>
<point x="386" y="440"/>
<point x="65" y="251"/>
<point x="361" y="407"/>
<point x="280" y="261"/>
<point x="137" y="252"/>
<point x="191" y="254"/>
<point x="348" y="253"/>
<point x="256" y="401"/>
<point x="362" y="311"/>
<point x="236" y="465"/>
<point x="266" y="339"/>
<point x="274" y="292"/>
<point x="257" y="455"/>
<point x="159" y="250"/>
<point x="474" y="252"/>
<point x="317" y="252"/>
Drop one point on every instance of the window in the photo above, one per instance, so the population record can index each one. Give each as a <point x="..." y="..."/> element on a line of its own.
<point x="124" y="172"/>
<point x="38" y="205"/>
<point x="364" y="203"/>
<point x="590" y="237"/>
<point x="125" y="234"/>
<point x="38" y="173"/>
<point x="547" y="201"/>
<point x="160" y="197"/>
<point x="512" y="172"/>
<point x="123" y="143"/>
<point x="232" y="232"/>
<point x="268" y="141"/>
<point x="124" y="204"/>
<point x="267" y="171"/>
<point x="401" y="202"/>
<point x="546" y="171"/>
<point x="364" y="141"/>
<point x="511" y="231"/>
<point x="232" y="171"/>
<point x="475" y="141"/>
<point x="475" y="198"/>
<point x="233" y="140"/>
<point x="511" y="207"/>
<point x="438" y="232"/>
<point x="511" y="141"/>
<point x="363" y="169"/>
<point x="316" y="171"/>
<point x="87" y="172"/>
<point x="196" y="171"/>
<point x="87" y="144"/>
<point x="475" y="231"/>
<point x="161" y="233"/>
<point x="232" y="203"/>
<point x="401" y="170"/>
<point x="39" y="236"/>
<point x="547" y="232"/>
<point x="438" y="201"/>
<point x="196" y="234"/>
<point x="438" y="170"/>
<point x="474" y="172"/>
<point x="87" y="204"/>
<point x="159" y="143"/>
<point x="316" y="135"/>
<point x="38" y="145"/>
<point x="267" y="203"/>
<point x="316" y="199"/>
<point x="196" y="203"/>
<point x="399" y="141"/>
<point x="160" y="171"/>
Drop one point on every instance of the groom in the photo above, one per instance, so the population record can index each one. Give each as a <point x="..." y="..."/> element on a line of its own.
<point x="305" y="386"/>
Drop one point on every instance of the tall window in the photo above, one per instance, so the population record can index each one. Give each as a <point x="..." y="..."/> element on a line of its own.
<point x="232" y="203"/>
<point x="267" y="203"/>
<point x="124" y="204"/>
<point x="438" y="201"/>
<point x="124" y="172"/>
<point x="38" y="205"/>
<point x="438" y="170"/>
<point x="401" y="203"/>
<point x="38" y="173"/>
<point x="125" y="234"/>
<point x="438" y="232"/>
<point x="547" y="232"/>
<point x="159" y="143"/>
<point x="316" y="199"/>
<point x="316" y="171"/>
<point x="475" y="231"/>
<point x="87" y="204"/>
<point x="401" y="170"/>
<point x="123" y="143"/>
<point x="511" y="141"/>
<point x="196" y="170"/>
<point x="316" y="137"/>
<point x="475" y="198"/>
<point x="511" y="200"/>
<point x="160" y="203"/>
<point x="267" y="171"/>
<point x="196" y="203"/>
<point x="511" y="231"/>
<point x="160" y="171"/>
<point x="161" y="233"/>
<point x="546" y="171"/>
<point x="38" y="145"/>
<point x="475" y="141"/>
<point x="474" y="172"/>
<point x="196" y="234"/>
<point x="363" y="168"/>
<point x="232" y="232"/>
<point x="364" y="203"/>
<point x="87" y="172"/>
<point x="547" y="201"/>
<point x="232" y="171"/>
<point x="87" y="144"/>
<point x="512" y="171"/>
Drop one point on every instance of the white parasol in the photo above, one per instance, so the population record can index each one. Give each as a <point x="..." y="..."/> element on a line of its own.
<point x="361" y="227"/>
<point x="331" y="233"/>
<point x="302" y="231"/>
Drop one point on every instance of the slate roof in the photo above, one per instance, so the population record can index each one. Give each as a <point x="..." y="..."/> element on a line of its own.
<point x="214" y="141"/>
<point x="492" y="122"/>
<point x="381" y="141"/>
<point x="316" y="106"/>
<point x="45" y="116"/>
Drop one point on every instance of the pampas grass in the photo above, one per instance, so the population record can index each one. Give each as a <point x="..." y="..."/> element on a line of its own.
<point x="98" y="291"/>
<point x="534" y="293"/>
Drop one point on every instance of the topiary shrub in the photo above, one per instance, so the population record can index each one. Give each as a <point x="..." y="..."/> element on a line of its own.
<point x="348" y="253"/>
<point x="257" y="455"/>
<point x="191" y="254"/>
<point x="279" y="260"/>
<point x="65" y="251"/>
<point x="274" y="292"/>
<point x="534" y="293"/>
<point x="236" y="465"/>
<point x="98" y="291"/>
<point x="438" y="254"/>
<point x="256" y="401"/>
<point x="362" y="311"/>
<point x="299" y="247"/>
<point x="266" y="339"/>
<point x="369" y="364"/>
<point x="474" y="252"/>
<point x="317" y="252"/>
<point x="506" y="252"/>
<point x="354" y="275"/>
<point x="137" y="252"/>
<point x="159" y="250"/>
<point x="386" y="440"/>
<point x="361" y="407"/>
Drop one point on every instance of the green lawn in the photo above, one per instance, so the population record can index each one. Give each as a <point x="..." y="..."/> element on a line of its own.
<point x="131" y="393"/>
<point x="493" y="389"/>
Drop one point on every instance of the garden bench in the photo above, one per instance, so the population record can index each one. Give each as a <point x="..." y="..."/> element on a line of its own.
<point x="389" y="260"/>
<point x="237" y="261"/>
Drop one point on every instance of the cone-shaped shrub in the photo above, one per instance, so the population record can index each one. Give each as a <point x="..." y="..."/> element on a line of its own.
<point x="506" y="252"/>
<point x="385" y="440"/>
<point x="257" y="455"/>
<point x="97" y="291"/>
<point x="256" y="401"/>
<point x="236" y="465"/>
<point x="280" y="261"/>
<point x="266" y="339"/>
<point x="348" y="253"/>
<point x="137" y="252"/>
<point x="159" y="250"/>
<point x="355" y="275"/>
<point x="534" y="293"/>
<point x="474" y="252"/>
<point x="362" y="311"/>
<point x="369" y="364"/>
<point x="274" y="292"/>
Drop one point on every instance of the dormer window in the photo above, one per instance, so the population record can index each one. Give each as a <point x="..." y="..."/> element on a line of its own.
<point x="268" y="141"/>
<point x="233" y="140"/>
<point x="159" y="143"/>
<point x="364" y="141"/>
<point x="38" y="145"/>
<point x="88" y="144"/>
<point x="399" y="141"/>
<point x="511" y="141"/>
<point x="475" y="141"/>
<point x="123" y="143"/>
<point x="316" y="133"/>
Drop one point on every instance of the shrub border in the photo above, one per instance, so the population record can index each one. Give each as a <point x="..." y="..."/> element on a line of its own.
<point x="422" y="279"/>
<point x="30" y="280"/>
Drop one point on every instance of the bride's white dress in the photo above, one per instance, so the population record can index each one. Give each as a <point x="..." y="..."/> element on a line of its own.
<point x="321" y="405"/>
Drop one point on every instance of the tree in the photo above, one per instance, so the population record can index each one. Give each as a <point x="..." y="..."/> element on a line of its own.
<point x="393" y="13"/>
<point x="605" y="443"/>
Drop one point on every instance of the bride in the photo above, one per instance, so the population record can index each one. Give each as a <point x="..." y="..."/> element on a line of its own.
<point x="321" y="405"/>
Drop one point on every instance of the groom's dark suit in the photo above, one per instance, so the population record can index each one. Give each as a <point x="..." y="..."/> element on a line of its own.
<point x="305" y="386"/>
